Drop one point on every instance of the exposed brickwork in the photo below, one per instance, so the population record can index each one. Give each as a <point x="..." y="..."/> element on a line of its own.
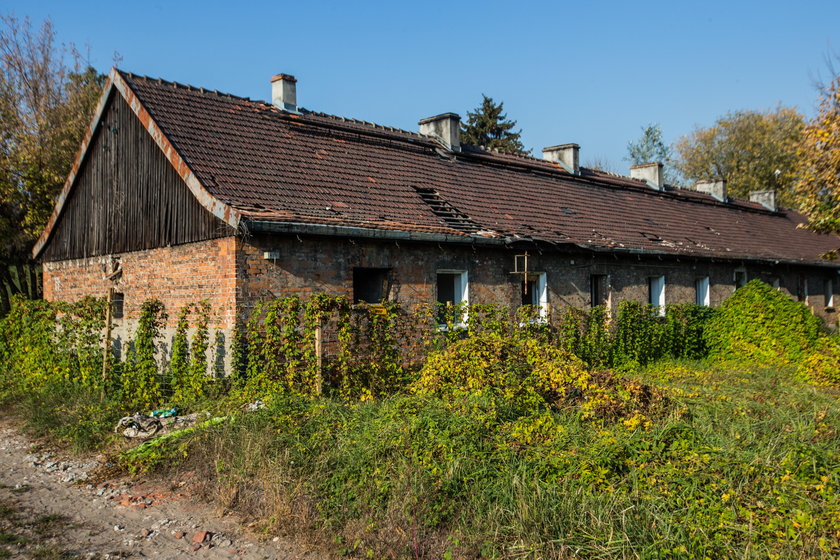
<point x="308" y="265"/>
<point x="176" y="275"/>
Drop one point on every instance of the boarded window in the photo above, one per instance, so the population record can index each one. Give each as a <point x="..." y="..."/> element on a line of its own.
<point x="656" y="292"/>
<point x="701" y="291"/>
<point x="598" y="289"/>
<point x="370" y="285"/>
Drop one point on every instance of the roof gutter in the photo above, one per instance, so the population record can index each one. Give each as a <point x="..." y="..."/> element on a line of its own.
<point x="260" y="226"/>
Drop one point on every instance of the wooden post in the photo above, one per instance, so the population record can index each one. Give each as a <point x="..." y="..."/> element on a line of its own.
<point x="106" y="351"/>
<point x="319" y="358"/>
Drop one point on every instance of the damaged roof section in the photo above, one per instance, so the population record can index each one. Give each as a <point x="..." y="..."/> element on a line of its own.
<point x="287" y="168"/>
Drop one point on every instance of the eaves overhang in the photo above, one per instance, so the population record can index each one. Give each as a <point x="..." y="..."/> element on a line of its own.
<point x="355" y="232"/>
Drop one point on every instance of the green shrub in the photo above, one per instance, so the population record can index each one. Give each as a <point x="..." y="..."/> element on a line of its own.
<point x="760" y="325"/>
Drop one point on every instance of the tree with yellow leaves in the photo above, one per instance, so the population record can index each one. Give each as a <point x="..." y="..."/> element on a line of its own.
<point x="818" y="184"/>
<point x="752" y="150"/>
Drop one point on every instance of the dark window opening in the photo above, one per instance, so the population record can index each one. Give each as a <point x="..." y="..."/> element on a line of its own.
<point x="828" y="291"/>
<point x="598" y="290"/>
<point x="740" y="279"/>
<point x="117" y="304"/>
<point x="370" y="285"/>
<point x="802" y="289"/>
<point x="529" y="292"/>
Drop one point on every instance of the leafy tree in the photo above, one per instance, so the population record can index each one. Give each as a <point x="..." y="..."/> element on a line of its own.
<point x="488" y="126"/>
<point x="651" y="147"/>
<point x="752" y="150"/>
<point x="818" y="184"/>
<point x="47" y="96"/>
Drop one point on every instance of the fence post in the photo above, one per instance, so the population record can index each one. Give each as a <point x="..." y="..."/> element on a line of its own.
<point x="319" y="357"/>
<point x="106" y="351"/>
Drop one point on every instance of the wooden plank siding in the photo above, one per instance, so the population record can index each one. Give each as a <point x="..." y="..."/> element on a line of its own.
<point x="128" y="197"/>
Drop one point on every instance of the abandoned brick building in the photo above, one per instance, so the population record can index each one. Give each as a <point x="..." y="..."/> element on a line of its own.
<point x="184" y="194"/>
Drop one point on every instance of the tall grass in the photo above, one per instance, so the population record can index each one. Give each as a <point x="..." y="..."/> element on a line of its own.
<point x="746" y="464"/>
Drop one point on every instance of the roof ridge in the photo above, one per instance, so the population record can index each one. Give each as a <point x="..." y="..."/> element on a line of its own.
<point x="188" y="87"/>
<point x="361" y="122"/>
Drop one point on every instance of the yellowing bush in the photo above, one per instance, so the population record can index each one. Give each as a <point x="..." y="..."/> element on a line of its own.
<point x="823" y="366"/>
<point x="513" y="375"/>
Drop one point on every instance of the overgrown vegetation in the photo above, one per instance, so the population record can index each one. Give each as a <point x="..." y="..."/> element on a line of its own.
<point x="502" y="435"/>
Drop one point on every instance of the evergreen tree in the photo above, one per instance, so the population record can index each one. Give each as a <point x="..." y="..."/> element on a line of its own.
<point x="650" y="147"/>
<point x="488" y="126"/>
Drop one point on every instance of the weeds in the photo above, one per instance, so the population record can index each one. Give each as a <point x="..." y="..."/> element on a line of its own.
<point x="504" y="436"/>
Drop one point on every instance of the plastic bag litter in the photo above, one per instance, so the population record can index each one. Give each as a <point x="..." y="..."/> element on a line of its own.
<point x="142" y="426"/>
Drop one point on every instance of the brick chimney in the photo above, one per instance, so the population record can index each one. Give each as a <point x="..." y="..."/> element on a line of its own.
<point x="765" y="198"/>
<point x="284" y="92"/>
<point x="716" y="188"/>
<point x="567" y="155"/>
<point x="445" y="128"/>
<point x="650" y="173"/>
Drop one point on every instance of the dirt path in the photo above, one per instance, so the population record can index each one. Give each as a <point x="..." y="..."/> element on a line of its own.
<point x="47" y="510"/>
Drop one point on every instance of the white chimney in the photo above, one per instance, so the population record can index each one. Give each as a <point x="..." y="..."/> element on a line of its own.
<point x="765" y="198"/>
<point x="284" y="92"/>
<point x="567" y="155"/>
<point x="445" y="128"/>
<point x="716" y="188"/>
<point x="650" y="173"/>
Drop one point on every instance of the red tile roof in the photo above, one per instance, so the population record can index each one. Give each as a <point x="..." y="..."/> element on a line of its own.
<point x="314" y="168"/>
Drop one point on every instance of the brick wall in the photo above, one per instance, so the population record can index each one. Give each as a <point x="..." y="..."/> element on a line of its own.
<point x="307" y="265"/>
<point x="233" y="273"/>
<point x="176" y="275"/>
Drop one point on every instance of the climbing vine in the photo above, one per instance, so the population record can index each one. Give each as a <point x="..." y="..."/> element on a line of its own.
<point x="141" y="384"/>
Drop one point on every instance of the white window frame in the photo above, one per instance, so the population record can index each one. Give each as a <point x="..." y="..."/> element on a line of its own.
<point x="828" y="289"/>
<point x="462" y="289"/>
<point x="701" y="291"/>
<point x="542" y="292"/>
<point x="656" y="293"/>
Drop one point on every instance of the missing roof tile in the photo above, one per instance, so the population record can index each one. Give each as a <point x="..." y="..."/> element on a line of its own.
<point x="447" y="213"/>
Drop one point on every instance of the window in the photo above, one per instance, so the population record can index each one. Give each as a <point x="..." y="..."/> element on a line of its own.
<point x="828" y="290"/>
<point x="656" y="293"/>
<point x="701" y="291"/>
<point x="740" y="278"/>
<point x="452" y="290"/>
<point x="802" y="288"/>
<point x="117" y="304"/>
<point x="534" y="292"/>
<point x="599" y="292"/>
<point x="777" y="284"/>
<point x="370" y="285"/>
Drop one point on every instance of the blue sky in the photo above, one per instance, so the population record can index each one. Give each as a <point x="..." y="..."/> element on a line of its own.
<point x="587" y="72"/>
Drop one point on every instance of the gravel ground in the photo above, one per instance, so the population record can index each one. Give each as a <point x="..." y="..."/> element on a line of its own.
<point x="49" y="510"/>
